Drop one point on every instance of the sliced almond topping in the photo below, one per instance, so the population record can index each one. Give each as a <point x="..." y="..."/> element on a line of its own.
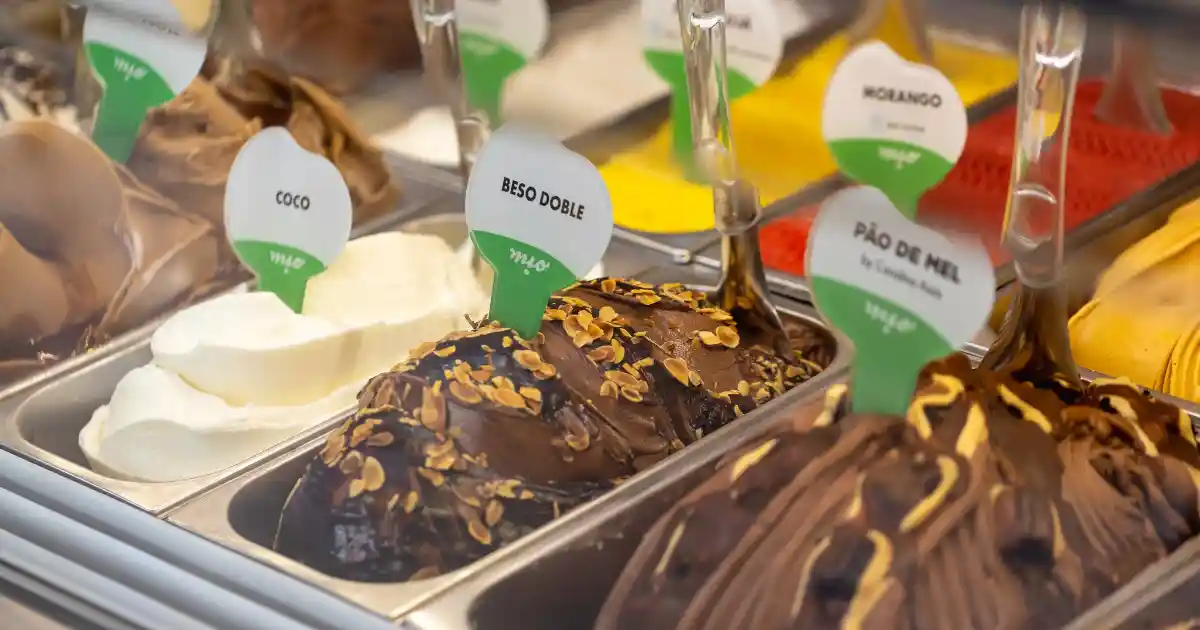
<point x="632" y="395"/>
<point x="572" y="326"/>
<point x="383" y="438"/>
<point x="462" y="373"/>
<point x="422" y="350"/>
<point x="352" y="463"/>
<point x="333" y="448"/>
<point x="410" y="501"/>
<point x="624" y="379"/>
<point x="433" y="408"/>
<point x="479" y="532"/>
<point x="493" y="513"/>
<point x="578" y="443"/>
<point x="618" y="351"/>
<point x="435" y="449"/>
<point x="610" y="389"/>
<point x="436" y="478"/>
<point x="608" y="285"/>
<point x="648" y="299"/>
<point x="465" y="495"/>
<point x="507" y="488"/>
<point x="629" y="368"/>
<point x="507" y="342"/>
<point x="743" y="388"/>
<point x="528" y="359"/>
<point x="585" y="318"/>
<point x="695" y="379"/>
<point x="554" y="313"/>
<point x="643" y="363"/>
<point x="678" y="368"/>
<point x="445" y="352"/>
<point x="525" y="495"/>
<point x="709" y="338"/>
<point x="532" y="393"/>
<point x="602" y="354"/>
<point x="503" y="382"/>
<point x="482" y="374"/>
<point x="608" y="313"/>
<point x="356" y="487"/>
<point x="509" y="398"/>
<point x="547" y="371"/>
<point x="373" y="475"/>
<point x="465" y="393"/>
<point x="728" y="336"/>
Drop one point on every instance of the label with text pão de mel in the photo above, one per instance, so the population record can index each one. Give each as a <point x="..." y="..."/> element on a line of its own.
<point x="287" y="213"/>
<point x="496" y="39"/>
<point x="754" y="46"/>
<point x="141" y="65"/>
<point x="540" y="215"/>
<point x="893" y="124"/>
<point x="905" y="294"/>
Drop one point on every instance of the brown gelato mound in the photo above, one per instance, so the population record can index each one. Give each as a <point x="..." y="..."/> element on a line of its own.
<point x="90" y="251"/>
<point x="483" y="437"/>
<point x="993" y="504"/>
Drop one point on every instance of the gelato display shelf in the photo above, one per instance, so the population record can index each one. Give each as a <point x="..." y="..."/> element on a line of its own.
<point x="242" y="513"/>
<point x="561" y="578"/>
<point x="44" y="421"/>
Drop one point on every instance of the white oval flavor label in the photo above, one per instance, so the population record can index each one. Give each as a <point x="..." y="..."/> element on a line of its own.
<point x="140" y="64"/>
<point x="893" y="124"/>
<point x="904" y="293"/>
<point x="540" y="215"/>
<point x="497" y="38"/>
<point x="288" y="213"/>
<point x="754" y="42"/>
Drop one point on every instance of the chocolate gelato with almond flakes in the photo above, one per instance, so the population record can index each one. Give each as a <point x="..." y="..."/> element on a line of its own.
<point x="482" y="437"/>
<point x="993" y="504"/>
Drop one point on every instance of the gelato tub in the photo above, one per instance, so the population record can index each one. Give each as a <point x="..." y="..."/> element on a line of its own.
<point x="245" y="512"/>
<point x="562" y="577"/>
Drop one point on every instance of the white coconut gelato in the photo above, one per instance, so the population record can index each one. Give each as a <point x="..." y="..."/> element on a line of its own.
<point x="235" y="375"/>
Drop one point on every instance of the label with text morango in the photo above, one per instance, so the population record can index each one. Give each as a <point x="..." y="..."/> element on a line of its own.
<point x="540" y="215"/>
<point x="141" y="65"/>
<point x="893" y="124"/>
<point x="905" y="294"/>
<point x="287" y="213"/>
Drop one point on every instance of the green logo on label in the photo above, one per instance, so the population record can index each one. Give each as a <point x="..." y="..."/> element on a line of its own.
<point x="131" y="89"/>
<point x="487" y="64"/>
<point x="892" y="344"/>
<point x="282" y="270"/>
<point x="526" y="277"/>
<point x="901" y="170"/>
<point x="669" y="66"/>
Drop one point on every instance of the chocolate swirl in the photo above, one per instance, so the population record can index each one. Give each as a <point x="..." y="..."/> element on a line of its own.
<point x="483" y="436"/>
<point x="992" y="504"/>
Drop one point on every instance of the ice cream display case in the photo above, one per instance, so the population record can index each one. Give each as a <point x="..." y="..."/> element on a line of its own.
<point x="422" y="432"/>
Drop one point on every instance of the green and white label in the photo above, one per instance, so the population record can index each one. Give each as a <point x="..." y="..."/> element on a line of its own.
<point x="287" y="213"/>
<point x="497" y="38"/>
<point x="540" y="215"/>
<point x="893" y="124"/>
<point x="754" y="46"/>
<point x="140" y="65"/>
<point x="904" y="293"/>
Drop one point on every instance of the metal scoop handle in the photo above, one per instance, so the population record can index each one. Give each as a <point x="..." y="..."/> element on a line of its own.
<point x="437" y="31"/>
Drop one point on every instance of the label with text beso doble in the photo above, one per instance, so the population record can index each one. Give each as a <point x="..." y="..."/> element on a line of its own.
<point x="904" y="293"/>
<point x="893" y="124"/>
<point x="540" y="215"/>
<point x="754" y="46"/>
<point x="497" y="38"/>
<point x="288" y="213"/>
<point x="140" y="64"/>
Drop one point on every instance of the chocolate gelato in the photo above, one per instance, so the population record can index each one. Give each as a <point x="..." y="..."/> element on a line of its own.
<point x="88" y="250"/>
<point x="993" y="504"/>
<point x="188" y="146"/>
<point x="482" y="437"/>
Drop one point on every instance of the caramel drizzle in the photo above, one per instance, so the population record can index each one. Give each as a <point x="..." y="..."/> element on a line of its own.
<point x="918" y="418"/>
<point x="948" y="470"/>
<point x="1028" y="411"/>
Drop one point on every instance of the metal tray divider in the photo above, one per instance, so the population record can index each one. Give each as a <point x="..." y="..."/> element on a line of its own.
<point x="208" y="515"/>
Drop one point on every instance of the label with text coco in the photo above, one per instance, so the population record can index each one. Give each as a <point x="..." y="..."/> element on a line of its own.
<point x="904" y="293"/>
<point x="540" y="215"/>
<point x="497" y="38"/>
<point x="754" y="46"/>
<point x="893" y="124"/>
<point x="140" y="64"/>
<point x="287" y="213"/>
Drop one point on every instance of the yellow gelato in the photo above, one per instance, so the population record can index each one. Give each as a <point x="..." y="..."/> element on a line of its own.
<point x="1143" y="321"/>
